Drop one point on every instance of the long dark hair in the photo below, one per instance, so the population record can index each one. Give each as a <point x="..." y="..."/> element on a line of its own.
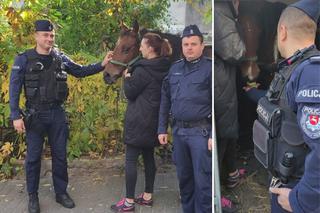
<point x="161" y="46"/>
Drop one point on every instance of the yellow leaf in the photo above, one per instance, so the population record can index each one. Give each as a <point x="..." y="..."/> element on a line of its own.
<point x="109" y="12"/>
<point x="80" y="108"/>
<point x="1" y="159"/>
<point x="24" y="14"/>
<point x="7" y="148"/>
<point x="79" y="87"/>
<point x="5" y="90"/>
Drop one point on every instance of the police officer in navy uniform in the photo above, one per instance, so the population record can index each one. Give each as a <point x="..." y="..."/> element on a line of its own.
<point x="186" y="97"/>
<point x="42" y="72"/>
<point x="294" y="97"/>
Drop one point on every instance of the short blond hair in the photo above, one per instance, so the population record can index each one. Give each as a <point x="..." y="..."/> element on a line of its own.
<point x="299" y="25"/>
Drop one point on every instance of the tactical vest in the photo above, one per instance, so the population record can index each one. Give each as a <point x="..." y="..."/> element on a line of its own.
<point x="44" y="87"/>
<point x="276" y="133"/>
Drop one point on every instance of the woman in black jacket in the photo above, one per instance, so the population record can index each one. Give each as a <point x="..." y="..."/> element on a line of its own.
<point x="142" y="87"/>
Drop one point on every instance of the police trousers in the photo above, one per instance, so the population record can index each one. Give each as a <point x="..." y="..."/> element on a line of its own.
<point x="193" y="162"/>
<point x="53" y="124"/>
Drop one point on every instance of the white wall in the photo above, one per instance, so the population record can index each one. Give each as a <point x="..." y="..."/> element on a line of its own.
<point x="177" y="12"/>
<point x="183" y="14"/>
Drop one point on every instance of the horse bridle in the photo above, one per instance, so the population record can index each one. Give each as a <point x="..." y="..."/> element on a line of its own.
<point x="130" y="63"/>
<point x="250" y="59"/>
<point x="126" y="65"/>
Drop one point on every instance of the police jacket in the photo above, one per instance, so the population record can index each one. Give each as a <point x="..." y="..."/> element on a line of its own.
<point x="288" y="125"/>
<point x="303" y="96"/>
<point x="143" y="90"/>
<point x="186" y="92"/>
<point x="43" y="78"/>
<point x="228" y="50"/>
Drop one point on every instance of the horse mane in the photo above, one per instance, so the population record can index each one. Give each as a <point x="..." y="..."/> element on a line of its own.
<point x="125" y="33"/>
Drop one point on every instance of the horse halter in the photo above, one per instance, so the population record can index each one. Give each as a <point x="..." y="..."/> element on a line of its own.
<point x="126" y="65"/>
<point x="130" y="63"/>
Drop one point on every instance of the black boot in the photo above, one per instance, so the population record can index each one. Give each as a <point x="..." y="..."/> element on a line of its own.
<point x="65" y="200"/>
<point x="33" y="205"/>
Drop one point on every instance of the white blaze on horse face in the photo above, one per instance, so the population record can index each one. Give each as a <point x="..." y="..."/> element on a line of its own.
<point x="192" y="47"/>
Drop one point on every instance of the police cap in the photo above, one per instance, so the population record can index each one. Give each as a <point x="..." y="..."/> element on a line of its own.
<point x="309" y="7"/>
<point x="191" y="30"/>
<point x="43" y="25"/>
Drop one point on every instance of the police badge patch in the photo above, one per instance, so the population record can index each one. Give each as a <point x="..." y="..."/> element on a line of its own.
<point x="15" y="67"/>
<point x="310" y="122"/>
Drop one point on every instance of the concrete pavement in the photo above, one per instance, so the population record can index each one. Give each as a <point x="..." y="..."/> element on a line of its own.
<point x="94" y="185"/>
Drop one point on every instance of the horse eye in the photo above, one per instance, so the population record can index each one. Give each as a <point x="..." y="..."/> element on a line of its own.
<point x="125" y="50"/>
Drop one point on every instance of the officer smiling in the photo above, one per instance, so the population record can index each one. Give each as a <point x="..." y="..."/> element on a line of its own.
<point x="294" y="142"/>
<point x="42" y="72"/>
<point x="186" y="96"/>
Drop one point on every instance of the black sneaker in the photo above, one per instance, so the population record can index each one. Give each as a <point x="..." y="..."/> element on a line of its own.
<point x="65" y="200"/>
<point x="33" y="205"/>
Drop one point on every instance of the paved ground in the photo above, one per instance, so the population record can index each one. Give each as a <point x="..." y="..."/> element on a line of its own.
<point x="94" y="185"/>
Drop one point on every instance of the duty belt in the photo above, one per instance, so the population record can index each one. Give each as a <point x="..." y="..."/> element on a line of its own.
<point x="46" y="106"/>
<point x="192" y="124"/>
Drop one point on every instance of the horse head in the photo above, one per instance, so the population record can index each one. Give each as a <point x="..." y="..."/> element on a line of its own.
<point x="251" y="33"/>
<point x="125" y="53"/>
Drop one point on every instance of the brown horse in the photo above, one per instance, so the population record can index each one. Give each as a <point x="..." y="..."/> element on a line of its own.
<point x="251" y="34"/>
<point x="258" y="25"/>
<point x="126" y="51"/>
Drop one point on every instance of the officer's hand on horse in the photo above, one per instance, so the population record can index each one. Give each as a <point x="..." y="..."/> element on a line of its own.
<point x="19" y="125"/>
<point x="283" y="197"/>
<point x="107" y="58"/>
<point x="163" y="138"/>
<point x="210" y="144"/>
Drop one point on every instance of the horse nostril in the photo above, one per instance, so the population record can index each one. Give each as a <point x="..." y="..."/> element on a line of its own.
<point x="108" y="79"/>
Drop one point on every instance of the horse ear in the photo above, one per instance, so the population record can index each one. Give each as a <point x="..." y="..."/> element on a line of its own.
<point x="123" y="26"/>
<point x="135" y="26"/>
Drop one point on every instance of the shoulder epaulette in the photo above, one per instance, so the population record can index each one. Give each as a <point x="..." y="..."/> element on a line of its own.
<point x="25" y="52"/>
<point x="315" y="59"/>
<point x="56" y="51"/>
<point x="178" y="61"/>
<point x="207" y="58"/>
